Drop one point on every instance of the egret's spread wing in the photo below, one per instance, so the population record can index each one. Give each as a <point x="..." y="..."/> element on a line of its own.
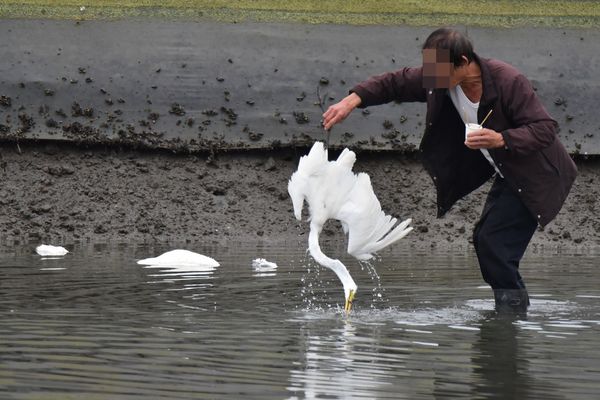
<point x="369" y="228"/>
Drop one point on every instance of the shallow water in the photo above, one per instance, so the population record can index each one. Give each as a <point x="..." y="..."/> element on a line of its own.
<point x="96" y="325"/>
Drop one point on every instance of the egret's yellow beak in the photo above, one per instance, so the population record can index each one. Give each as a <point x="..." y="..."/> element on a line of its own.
<point x="349" y="299"/>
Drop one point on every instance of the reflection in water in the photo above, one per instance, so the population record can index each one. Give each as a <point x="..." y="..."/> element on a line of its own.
<point x="194" y="279"/>
<point x="337" y="364"/>
<point x="502" y="361"/>
<point x="100" y="326"/>
<point x="184" y="271"/>
<point x="499" y="362"/>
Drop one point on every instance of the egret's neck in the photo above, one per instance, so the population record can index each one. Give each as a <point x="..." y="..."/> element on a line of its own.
<point x="335" y="265"/>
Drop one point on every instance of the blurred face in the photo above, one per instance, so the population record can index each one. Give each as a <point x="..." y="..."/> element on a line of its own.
<point x="437" y="68"/>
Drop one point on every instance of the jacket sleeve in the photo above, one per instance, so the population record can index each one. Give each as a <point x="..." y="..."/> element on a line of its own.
<point x="534" y="128"/>
<point x="404" y="85"/>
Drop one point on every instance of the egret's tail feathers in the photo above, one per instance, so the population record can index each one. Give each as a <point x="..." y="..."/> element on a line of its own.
<point x="396" y="234"/>
<point x="385" y="224"/>
<point x="381" y="240"/>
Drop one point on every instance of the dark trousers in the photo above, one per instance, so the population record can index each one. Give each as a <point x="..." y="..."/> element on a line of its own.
<point x="501" y="237"/>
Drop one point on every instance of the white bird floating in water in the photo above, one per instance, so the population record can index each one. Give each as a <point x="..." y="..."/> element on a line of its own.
<point x="333" y="191"/>
<point x="262" y="265"/>
<point x="180" y="258"/>
<point x="49" y="250"/>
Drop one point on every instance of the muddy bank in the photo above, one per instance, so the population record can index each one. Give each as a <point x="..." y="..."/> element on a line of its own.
<point x="65" y="194"/>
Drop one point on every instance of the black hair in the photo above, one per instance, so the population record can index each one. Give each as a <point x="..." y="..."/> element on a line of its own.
<point x="456" y="42"/>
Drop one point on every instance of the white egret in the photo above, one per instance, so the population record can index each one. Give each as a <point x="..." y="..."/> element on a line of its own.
<point x="333" y="191"/>
<point x="49" y="250"/>
<point x="180" y="258"/>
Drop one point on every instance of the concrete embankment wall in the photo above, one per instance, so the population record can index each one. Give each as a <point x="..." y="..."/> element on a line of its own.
<point x="193" y="86"/>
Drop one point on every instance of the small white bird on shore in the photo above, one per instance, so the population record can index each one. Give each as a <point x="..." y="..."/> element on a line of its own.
<point x="180" y="258"/>
<point x="333" y="191"/>
<point x="47" y="250"/>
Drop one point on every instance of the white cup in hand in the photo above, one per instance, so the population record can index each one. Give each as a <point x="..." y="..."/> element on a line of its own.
<point x="471" y="128"/>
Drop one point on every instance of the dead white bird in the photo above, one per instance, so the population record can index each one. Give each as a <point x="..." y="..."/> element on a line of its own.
<point x="49" y="250"/>
<point x="333" y="191"/>
<point x="180" y="258"/>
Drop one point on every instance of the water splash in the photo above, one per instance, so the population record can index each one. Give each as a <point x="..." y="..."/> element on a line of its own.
<point x="378" y="291"/>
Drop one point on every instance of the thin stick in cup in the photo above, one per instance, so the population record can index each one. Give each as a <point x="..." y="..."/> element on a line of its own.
<point x="486" y="117"/>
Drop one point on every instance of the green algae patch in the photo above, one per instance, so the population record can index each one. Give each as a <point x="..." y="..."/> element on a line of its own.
<point x="487" y="13"/>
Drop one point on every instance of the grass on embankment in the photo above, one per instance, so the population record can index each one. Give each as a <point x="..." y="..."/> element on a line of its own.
<point x="490" y="13"/>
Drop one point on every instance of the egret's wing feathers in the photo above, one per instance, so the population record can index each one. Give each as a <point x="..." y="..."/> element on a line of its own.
<point x="314" y="160"/>
<point x="296" y="188"/>
<point x="301" y="183"/>
<point x="369" y="228"/>
<point x="346" y="159"/>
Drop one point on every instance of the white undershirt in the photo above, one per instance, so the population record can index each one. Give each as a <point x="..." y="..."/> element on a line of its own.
<point x="468" y="112"/>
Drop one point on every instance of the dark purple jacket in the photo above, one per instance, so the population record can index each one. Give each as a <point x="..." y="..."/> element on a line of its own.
<point x="534" y="162"/>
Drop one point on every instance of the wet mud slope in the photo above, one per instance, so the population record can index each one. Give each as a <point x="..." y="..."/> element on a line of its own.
<point x="64" y="194"/>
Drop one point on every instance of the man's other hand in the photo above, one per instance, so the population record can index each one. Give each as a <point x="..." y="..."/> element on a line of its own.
<point x="484" y="139"/>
